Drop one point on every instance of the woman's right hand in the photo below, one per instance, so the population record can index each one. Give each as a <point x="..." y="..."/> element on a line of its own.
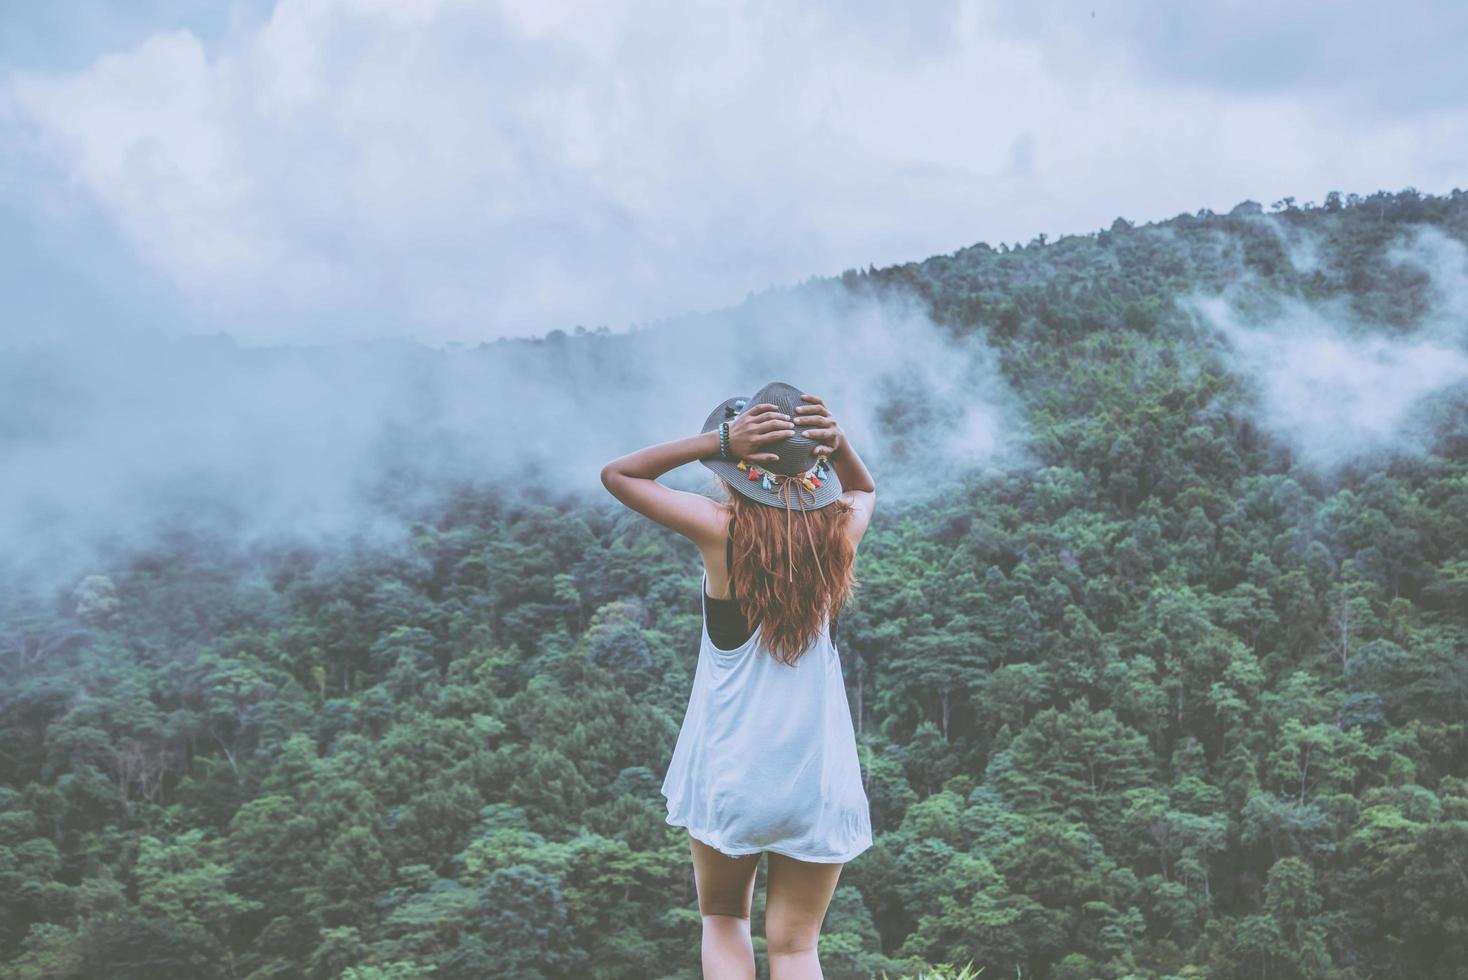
<point x="819" y="424"/>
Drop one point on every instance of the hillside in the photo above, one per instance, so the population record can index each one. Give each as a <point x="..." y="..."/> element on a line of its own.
<point x="1170" y="681"/>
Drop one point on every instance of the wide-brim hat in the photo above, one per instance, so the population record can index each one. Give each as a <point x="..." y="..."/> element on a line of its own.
<point x="801" y="479"/>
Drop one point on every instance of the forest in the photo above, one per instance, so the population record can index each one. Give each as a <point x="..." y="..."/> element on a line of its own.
<point x="1177" y="700"/>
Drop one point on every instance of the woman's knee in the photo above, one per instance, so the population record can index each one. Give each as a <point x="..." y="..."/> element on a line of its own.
<point x="799" y="894"/>
<point x="725" y="885"/>
<point x="792" y="940"/>
<point x="734" y="909"/>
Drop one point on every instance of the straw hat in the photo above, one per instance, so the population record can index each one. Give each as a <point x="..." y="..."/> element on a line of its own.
<point x="801" y="479"/>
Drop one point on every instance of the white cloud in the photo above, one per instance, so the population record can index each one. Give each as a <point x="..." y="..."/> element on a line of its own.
<point x="1338" y="391"/>
<point x="458" y="170"/>
<point x="320" y="445"/>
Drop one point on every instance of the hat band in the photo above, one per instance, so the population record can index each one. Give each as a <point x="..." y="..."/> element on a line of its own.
<point x="809" y="481"/>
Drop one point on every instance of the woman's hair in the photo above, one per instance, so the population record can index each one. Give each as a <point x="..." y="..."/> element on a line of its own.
<point x="790" y="579"/>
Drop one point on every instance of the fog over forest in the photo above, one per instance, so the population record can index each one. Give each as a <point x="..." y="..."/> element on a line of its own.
<point x="325" y="654"/>
<point x="338" y="661"/>
<point x="112" y="447"/>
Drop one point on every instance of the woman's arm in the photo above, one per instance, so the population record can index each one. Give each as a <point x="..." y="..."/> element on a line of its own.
<point x="633" y="479"/>
<point x="851" y="471"/>
<point x="857" y="485"/>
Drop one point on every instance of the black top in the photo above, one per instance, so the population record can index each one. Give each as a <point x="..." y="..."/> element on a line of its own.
<point x="726" y="624"/>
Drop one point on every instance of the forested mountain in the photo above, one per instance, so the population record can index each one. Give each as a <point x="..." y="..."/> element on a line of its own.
<point x="1182" y="697"/>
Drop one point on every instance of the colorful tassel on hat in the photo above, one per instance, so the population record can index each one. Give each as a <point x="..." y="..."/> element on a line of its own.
<point x="753" y="473"/>
<point x="741" y="465"/>
<point x="767" y="483"/>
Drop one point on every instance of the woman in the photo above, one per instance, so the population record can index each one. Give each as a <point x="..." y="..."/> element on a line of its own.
<point x="766" y="758"/>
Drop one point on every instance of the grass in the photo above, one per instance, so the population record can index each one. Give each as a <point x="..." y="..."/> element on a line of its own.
<point x="943" y="971"/>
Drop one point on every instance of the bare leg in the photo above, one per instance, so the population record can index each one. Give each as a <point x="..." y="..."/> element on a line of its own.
<point x="798" y="895"/>
<point x="725" y="894"/>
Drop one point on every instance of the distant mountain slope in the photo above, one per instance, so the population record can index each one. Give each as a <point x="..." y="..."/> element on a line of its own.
<point x="1122" y="276"/>
<point x="1158" y="663"/>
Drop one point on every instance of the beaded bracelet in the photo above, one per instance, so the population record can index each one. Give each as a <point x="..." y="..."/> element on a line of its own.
<point x="730" y="411"/>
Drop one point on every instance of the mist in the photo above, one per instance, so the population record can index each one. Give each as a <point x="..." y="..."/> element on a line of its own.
<point x="116" y="446"/>
<point x="1335" y="388"/>
<point x="110" y="449"/>
<point x="1334" y="397"/>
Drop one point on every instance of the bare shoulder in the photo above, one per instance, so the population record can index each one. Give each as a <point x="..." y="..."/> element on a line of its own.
<point x="712" y="546"/>
<point x="863" y="505"/>
<point x="701" y="519"/>
<point x="713" y="529"/>
<point x="693" y="515"/>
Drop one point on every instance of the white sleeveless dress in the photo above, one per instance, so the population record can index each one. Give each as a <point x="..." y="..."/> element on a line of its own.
<point x="766" y="758"/>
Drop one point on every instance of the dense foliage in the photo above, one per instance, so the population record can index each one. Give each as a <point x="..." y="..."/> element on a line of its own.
<point x="1165" y="705"/>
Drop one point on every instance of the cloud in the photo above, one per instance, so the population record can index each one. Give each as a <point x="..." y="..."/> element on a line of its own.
<point x="110" y="450"/>
<point x="447" y="170"/>
<point x="1336" y="390"/>
<point x="1444" y="261"/>
<point x="1356" y="57"/>
<point x="52" y="36"/>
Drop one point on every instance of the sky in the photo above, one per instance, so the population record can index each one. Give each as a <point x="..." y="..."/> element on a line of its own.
<point x="269" y="238"/>
<point x="311" y="171"/>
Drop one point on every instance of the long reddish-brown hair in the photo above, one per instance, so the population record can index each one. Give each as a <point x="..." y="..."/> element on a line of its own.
<point x="790" y="579"/>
